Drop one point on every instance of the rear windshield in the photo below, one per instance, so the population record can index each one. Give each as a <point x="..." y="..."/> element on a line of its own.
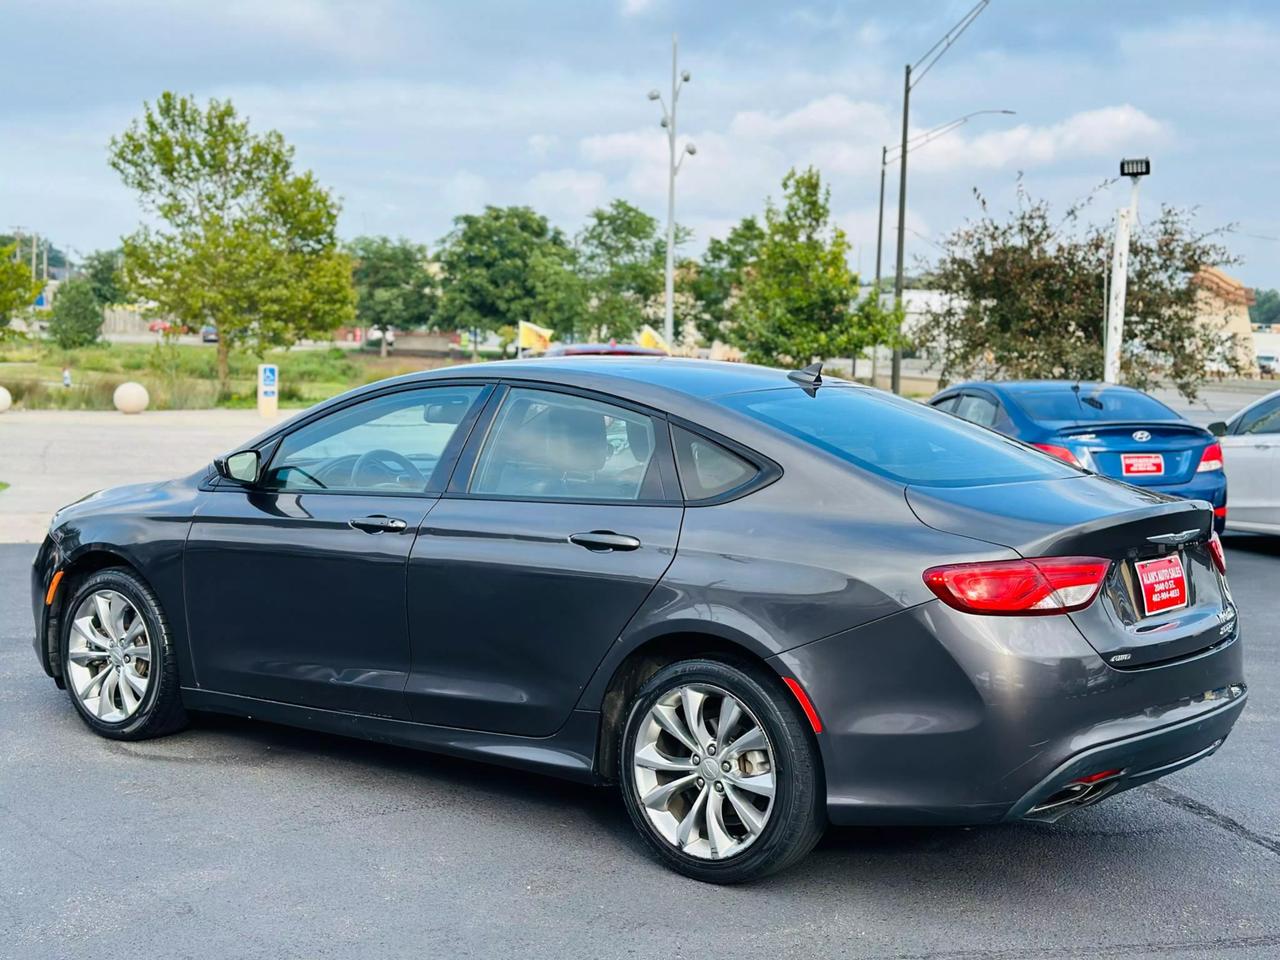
<point x="899" y="439"/>
<point x="1090" y="403"/>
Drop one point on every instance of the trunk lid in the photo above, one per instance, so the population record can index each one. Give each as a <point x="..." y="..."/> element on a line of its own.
<point x="1097" y="517"/>
<point x="1175" y="448"/>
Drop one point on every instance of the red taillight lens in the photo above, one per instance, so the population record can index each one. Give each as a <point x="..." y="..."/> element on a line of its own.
<point x="1095" y="777"/>
<point x="1211" y="459"/>
<point x="1062" y="453"/>
<point x="1219" y="555"/>
<point x="1019" y="587"/>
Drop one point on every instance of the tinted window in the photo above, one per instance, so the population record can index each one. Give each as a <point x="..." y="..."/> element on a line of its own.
<point x="389" y="444"/>
<point x="947" y="403"/>
<point x="557" y="446"/>
<point x="904" y="441"/>
<point x="706" y="468"/>
<point x="977" y="409"/>
<point x="1098" y="403"/>
<point x="1264" y="418"/>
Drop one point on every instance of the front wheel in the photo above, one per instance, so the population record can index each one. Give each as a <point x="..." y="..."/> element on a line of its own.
<point x="118" y="659"/>
<point x="720" y="773"/>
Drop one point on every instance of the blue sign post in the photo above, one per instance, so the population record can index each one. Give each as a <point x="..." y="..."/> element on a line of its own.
<point x="268" y="389"/>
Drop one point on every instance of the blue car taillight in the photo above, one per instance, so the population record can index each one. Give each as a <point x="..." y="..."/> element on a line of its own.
<point x="1211" y="459"/>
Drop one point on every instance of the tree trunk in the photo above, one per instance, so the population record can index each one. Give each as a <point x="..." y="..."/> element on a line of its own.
<point x="382" y="346"/>
<point x="224" y="369"/>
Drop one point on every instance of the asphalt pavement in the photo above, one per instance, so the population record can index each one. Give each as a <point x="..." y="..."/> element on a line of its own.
<point x="239" y="839"/>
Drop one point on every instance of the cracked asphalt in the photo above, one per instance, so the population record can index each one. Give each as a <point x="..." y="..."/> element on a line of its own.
<point x="238" y="839"/>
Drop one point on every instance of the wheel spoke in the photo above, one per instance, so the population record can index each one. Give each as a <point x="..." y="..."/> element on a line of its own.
<point x="651" y="758"/>
<point x="693" y="701"/>
<point x="102" y="604"/>
<point x="136" y="629"/>
<point x="718" y="837"/>
<point x="761" y="784"/>
<point x="94" y="684"/>
<point x="670" y="721"/>
<point x="142" y="652"/>
<point x="137" y="684"/>
<point x="730" y="714"/>
<point x="128" y="700"/>
<point x="660" y="797"/>
<point x="751" y="818"/>
<point x="693" y="819"/>
<point x="83" y="628"/>
<point x="753" y="739"/>
<point x="106" y="693"/>
<point x="84" y="657"/>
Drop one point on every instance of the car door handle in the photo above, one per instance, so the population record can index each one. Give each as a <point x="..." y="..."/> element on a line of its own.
<point x="378" y="524"/>
<point x="602" y="541"/>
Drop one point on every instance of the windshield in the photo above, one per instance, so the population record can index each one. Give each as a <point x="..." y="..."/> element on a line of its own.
<point x="905" y="441"/>
<point x="1095" y="402"/>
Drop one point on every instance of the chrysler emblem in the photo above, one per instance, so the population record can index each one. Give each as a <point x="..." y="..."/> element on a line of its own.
<point x="1142" y="436"/>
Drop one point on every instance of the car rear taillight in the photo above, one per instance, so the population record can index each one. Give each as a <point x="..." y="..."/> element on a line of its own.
<point x="1062" y="453"/>
<point x="1211" y="459"/>
<point x="1045" y="585"/>
<point x="1219" y="555"/>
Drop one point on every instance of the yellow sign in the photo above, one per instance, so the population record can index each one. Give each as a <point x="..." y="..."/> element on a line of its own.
<point x="652" y="339"/>
<point x="533" y="337"/>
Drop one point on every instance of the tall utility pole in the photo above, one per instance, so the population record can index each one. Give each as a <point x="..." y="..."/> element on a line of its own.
<point x="1126" y="217"/>
<point x="678" y="80"/>
<point x="918" y="71"/>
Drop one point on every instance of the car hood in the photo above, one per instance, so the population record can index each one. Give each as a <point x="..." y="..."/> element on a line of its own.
<point x="126" y="498"/>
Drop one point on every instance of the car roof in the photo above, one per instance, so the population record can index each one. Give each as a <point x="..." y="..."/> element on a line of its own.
<point x="1040" y="386"/>
<point x="602" y="349"/>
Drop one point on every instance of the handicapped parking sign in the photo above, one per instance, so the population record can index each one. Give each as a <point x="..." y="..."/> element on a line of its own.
<point x="268" y="389"/>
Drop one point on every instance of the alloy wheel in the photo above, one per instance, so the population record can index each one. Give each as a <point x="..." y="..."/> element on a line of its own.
<point x="109" y="656"/>
<point x="704" y="771"/>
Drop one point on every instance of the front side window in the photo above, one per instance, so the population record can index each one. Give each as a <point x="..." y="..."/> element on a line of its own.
<point x="907" y="442"/>
<point x="1264" y="418"/>
<point x="557" y="446"/>
<point x="390" y="444"/>
<point x="977" y="409"/>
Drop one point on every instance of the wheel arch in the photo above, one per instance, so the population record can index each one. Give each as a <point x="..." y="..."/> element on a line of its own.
<point x="647" y="658"/>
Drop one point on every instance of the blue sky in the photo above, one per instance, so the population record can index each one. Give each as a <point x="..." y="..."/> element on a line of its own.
<point x="414" y="112"/>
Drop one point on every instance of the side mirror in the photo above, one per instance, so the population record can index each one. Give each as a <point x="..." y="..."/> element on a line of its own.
<point x="239" y="467"/>
<point x="1218" y="428"/>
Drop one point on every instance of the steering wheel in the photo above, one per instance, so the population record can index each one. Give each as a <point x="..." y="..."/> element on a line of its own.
<point x="375" y="464"/>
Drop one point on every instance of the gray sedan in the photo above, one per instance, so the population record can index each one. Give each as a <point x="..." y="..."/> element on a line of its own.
<point x="1251" y="455"/>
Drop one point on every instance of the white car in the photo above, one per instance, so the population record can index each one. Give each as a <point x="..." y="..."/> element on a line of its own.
<point x="1251" y="457"/>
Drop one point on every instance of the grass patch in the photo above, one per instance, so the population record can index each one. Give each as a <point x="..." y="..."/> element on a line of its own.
<point x="3" y="486"/>
<point x="183" y="376"/>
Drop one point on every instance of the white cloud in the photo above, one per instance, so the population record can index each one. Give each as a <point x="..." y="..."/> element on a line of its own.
<point x="540" y="144"/>
<point x="830" y="116"/>
<point x="632" y="7"/>
<point x="568" y="194"/>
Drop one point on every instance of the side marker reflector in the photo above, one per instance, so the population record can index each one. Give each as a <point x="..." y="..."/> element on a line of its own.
<point x="53" y="588"/>
<point x="805" y="704"/>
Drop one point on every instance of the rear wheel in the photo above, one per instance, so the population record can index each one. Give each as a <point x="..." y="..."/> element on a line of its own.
<point x="118" y="659"/>
<point x="719" y="772"/>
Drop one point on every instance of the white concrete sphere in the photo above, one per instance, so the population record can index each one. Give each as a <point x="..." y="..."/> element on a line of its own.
<point x="131" y="397"/>
<point x="6" y="400"/>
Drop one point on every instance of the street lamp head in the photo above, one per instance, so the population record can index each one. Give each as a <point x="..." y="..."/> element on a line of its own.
<point x="1135" y="168"/>
<point x="690" y="149"/>
<point x="654" y="95"/>
<point x="686" y="76"/>
<point x="663" y="123"/>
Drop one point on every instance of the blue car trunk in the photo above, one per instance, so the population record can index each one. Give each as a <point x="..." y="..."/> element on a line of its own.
<point x="1144" y="454"/>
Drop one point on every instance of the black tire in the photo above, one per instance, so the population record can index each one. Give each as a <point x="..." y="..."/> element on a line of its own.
<point x="798" y="816"/>
<point x="160" y="711"/>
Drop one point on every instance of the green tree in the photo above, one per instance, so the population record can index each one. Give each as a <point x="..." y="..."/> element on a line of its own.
<point x="17" y="289"/>
<point x="498" y="268"/>
<point x="1024" y="297"/>
<point x="1266" y="308"/>
<point x="800" y="299"/>
<point x="76" y="319"/>
<point x="394" y="290"/>
<point x="102" y="269"/>
<point x="621" y="259"/>
<point x="720" y="276"/>
<point x="244" y="241"/>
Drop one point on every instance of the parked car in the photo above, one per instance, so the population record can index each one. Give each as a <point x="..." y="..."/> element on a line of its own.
<point x="758" y="602"/>
<point x="1267" y="364"/>
<point x="1108" y="429"/>
<point x="610" y="349"/>
<point x="1251" y="442"/>
<point x="209" y="333"/>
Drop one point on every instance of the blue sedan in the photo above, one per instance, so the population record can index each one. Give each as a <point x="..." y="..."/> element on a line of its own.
<point x="1115" y="431"/>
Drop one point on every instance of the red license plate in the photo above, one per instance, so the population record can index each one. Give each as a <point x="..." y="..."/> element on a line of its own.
<point x="1142" y="464"/>
<point x="1163" y="582"/>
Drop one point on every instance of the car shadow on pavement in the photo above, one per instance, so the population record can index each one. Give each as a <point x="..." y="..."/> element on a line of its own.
<point x="1255" y="543"/>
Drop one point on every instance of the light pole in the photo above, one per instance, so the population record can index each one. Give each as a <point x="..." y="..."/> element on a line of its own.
<point x="919" y="69"/>
<point x="1135" y="170"/>
<point x="673" y="167"/>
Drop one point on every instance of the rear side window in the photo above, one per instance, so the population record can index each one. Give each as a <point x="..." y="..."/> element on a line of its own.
<point x="708" y="470"/>
<point x="1264" y="418"/>
<point x="977" y="409"/>
<point x="907" y="442"/>
<point x="1091" y="403"/>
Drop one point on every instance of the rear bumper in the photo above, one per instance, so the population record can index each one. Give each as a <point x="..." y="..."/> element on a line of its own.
<point x="932" y="716"/>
